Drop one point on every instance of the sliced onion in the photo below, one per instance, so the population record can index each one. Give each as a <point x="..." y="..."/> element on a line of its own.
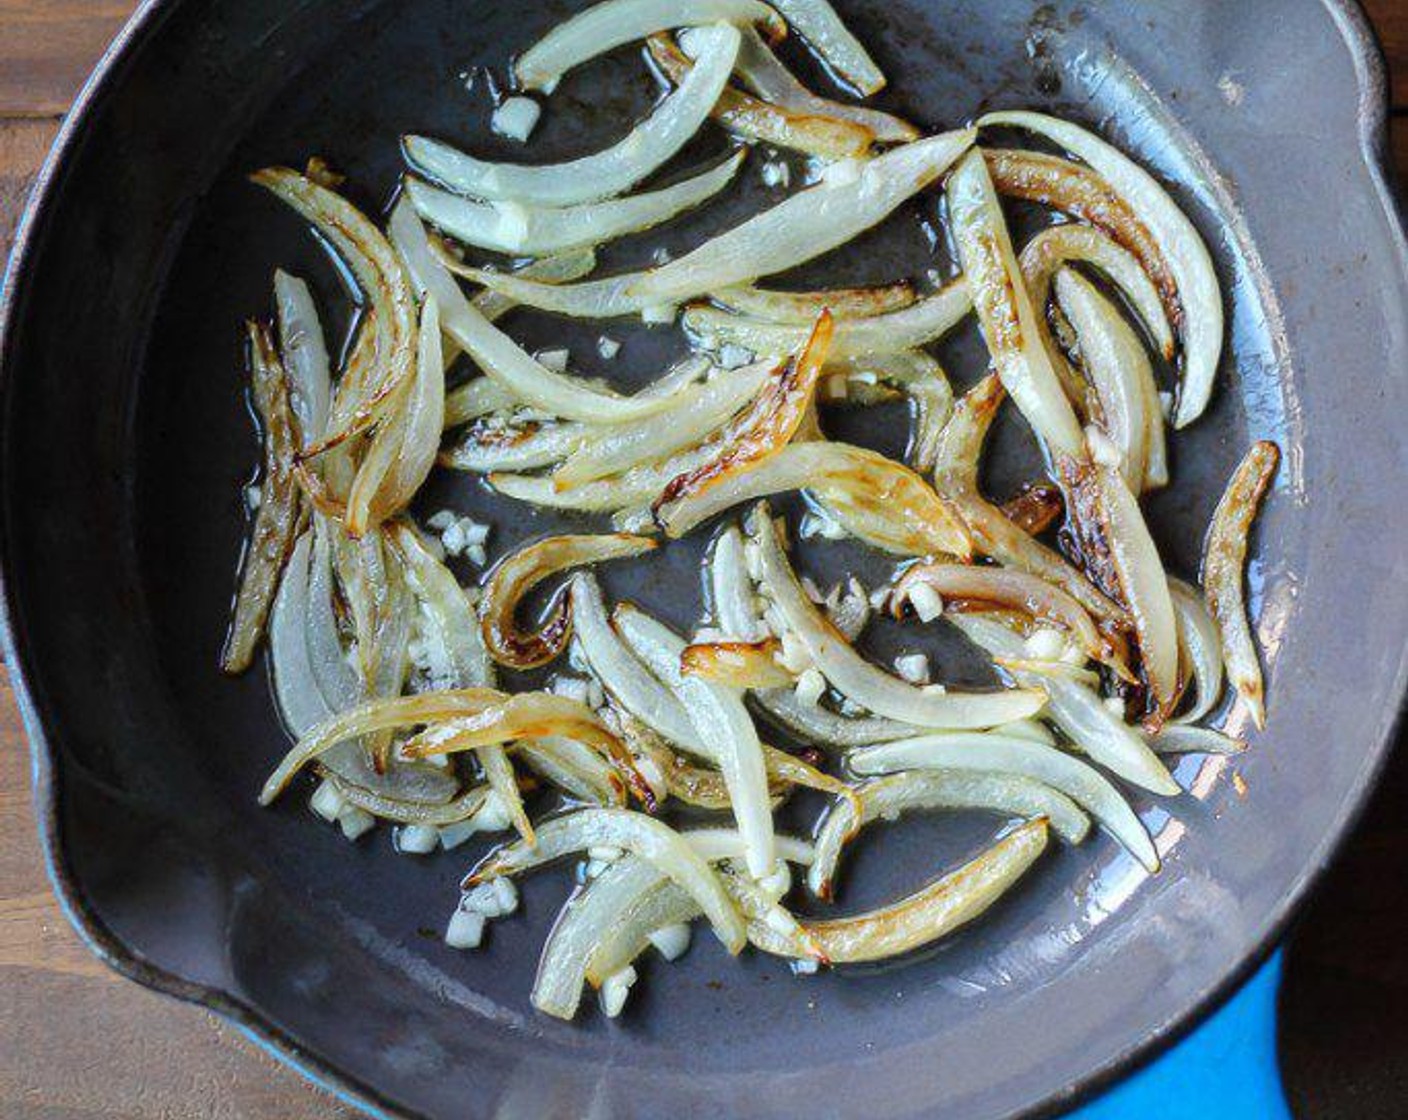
<point x="1035" y="508"/>
<point x="606" y="298"/>
<point x="610" y="172"/>
<point x="1200" y="648"/>
<point x="301" y="702"/>
<point x="701" y="787"/>
<point x="383" y="283"/>
<point x="494" y="446"/>
<point x="863" y="683"/>
<point x="407" y="441"/>
<point x="447" y="620"/>
<point x="524" y="570"/>
<point x="574" y="768"/>
<point x="800" y="309"/>
<point x="561" y="268"/>
<point x="927" y="915"/>
<point x="924" y="322"/>
<point x="642" y="836"/>
<point x="1119" y="371"/>
<point x="769" y="423"/>
<point x="1005" y="312"/>
<point x="720" y="720"/>
<point x="737" y="664"/>
<point x="807" y="224"/>
<point x="1201" y="323"/>
<point x="497" y="354"/>
<point x="958" y="450"/>
<point x="373" y="716"/>
<point x="1184" y="738"/>
<point x="304" y="352"/>
<point x="1079" y="710"/>
<point x="535" y="231"/>
<point x="756" y="121"/>
<point x="1018" y="590"/>
<point x="826" y="728"/>
<point x="817" y="22"/>
<point x="1135" y="559"/>
<point x="1079" y="192"/>
<point x="608" y="25"/>
<point x="1224" y="567"/>
<point x="886" y="798"/>
<point x="1051" y="249"/>
<point x="474" y="399"/>
<point x="631" y="490"/>
<point x="878" y="500"/>
<point x="401" y="811"/>
<point x="766" y="75"/>
<point x="1005" y="754"/>
<point x="276" y="523"/>
<point x="698" y="410"/>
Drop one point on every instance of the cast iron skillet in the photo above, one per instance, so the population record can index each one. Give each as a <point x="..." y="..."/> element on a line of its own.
<point x="125" y="442"/>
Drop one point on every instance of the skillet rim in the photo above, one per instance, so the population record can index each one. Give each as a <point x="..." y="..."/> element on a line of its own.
<point x="1371" y="70"/>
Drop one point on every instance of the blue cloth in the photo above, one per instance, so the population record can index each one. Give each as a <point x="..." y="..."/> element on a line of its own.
<point x="1224" y="1070"/>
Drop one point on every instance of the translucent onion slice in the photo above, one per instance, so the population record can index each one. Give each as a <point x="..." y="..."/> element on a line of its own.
<point x="807" y="224"/>
<point x="773" y="418"/>
<point x="1078" y="192"/>
<point x="521" y="571"/>
<point x="605" y="298"/>
<point x="493" y="351"/>
<point x="304" y="352"/>
<point x="926" y="321"/>
<point x="719" y="719"/>
<point x="737" y="664"/>
<point x="701" y="787"/>
<point x="1188" y="259"/>
<point x="927" y="915"/>
<point x="886" y="798"/>
<point x="765" y="74"/>
<point x="447" y="619"/>
<point x="494" y="446"/>
<point x="757" y="121"/>
<point x="610" y="172"/>
<point x="300" y="700"/>
<point x="1142" y="580"/>
<point x="1184" y="738"/>
<point x="1119" y="370"/>
<point x="380" y="715"/>
<point x="575" y="769"/>
<point x="992" y="753"/>
<point x="608" y="25"/>
<point x="878" y="500"/>
<point x="383" y="282"/>
<point x="476" y="398"/>
<point x="1004" y="587"/>
<point x="644" y="837"/>
<point x="1078" y="709"/>
<point x="800" y="309"/>
<point x="1005" y="312"/>
<point x="562" y="268"/>
<point x="957" y="452"/>
<point x="429" y="814"/>
<point x="535" y="231"/>
<point x="698" y="411"/>
<point x="920" y="377"/>
<point x="826" y="728"/>
<point x="1050" y="250"/>
<point x="1035" y="508"/>
<point x="863" y="683"/>
<point x="276" y="522"/>
<point x="630" y="490"/>
<point x="1224" y="567"/>
<point x="1200" y="648"/>
<point x="817" y="22"/>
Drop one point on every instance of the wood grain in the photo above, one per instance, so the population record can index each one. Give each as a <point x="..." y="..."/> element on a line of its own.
<point x="77" y="1043"/>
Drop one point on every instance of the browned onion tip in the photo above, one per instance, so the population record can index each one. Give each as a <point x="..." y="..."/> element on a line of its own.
<point x="769" y="423"/>
<point x="1035" y="508"/>
<point x="1224" y="565"/>
<point x="740" y="664"/>
<point x="517" y="574"/>
<point x="276" y="523"/>
<point x="1081" y="193"/>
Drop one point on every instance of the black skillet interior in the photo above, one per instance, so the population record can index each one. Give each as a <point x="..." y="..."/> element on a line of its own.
<point x="127" y="442"/>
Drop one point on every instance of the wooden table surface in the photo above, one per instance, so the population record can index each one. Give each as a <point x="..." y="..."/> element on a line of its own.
<point x="77" y="1042"/>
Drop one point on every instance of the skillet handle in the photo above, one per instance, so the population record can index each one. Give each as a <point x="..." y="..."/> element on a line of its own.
<point x="1225" y="1070"/>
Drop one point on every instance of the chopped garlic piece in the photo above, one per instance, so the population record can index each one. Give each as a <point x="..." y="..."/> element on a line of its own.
<point x="607" y="347"/>
<point x="354" y="821"/>
<point x="327" y="801"/>
<point x="913" y="667"/>
<point x="465" y="931"/>
<point x="810" y="686"/>
<point x="555" y="360"/>
<point x="614" y="990"/>
<point x="928" y="604"/>
<point x="671" y="941"/>
<point x="415" y="839"/>
<point x="516" y="118"/>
